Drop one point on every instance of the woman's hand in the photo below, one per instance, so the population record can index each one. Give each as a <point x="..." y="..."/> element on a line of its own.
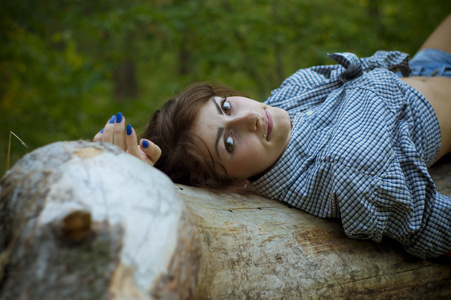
<point x="117" y="133"/>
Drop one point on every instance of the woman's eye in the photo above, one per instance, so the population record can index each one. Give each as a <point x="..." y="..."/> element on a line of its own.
<point x="229" y="144"/>
<point x="225" y="105"/>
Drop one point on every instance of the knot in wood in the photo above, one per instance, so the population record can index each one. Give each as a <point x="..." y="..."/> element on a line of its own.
<point x="76" y="225"/>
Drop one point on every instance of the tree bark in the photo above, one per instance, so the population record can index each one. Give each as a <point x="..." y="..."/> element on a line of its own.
<point x="125" y="84"/>
<point x="85" y="220"/>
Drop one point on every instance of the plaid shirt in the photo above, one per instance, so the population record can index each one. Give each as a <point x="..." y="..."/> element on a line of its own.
<point x="360" y="146"/>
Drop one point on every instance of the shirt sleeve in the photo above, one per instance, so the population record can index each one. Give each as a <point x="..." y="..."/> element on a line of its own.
<point x="409" y="211"/>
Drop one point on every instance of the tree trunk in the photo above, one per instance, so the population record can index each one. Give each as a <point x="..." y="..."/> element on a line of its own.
<point x="85" y="220"/>
<point x="125" y="85"/>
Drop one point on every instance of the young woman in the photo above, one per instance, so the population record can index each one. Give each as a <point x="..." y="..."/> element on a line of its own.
<point x="350" y="141"/>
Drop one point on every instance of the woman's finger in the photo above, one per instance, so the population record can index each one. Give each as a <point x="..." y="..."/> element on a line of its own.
<point x="152" y="151"/>
<point x="98" y="136"/>
<point x="108" y="131"/>
<point x="132" y="142"/>
<point x="148" y="152"/>
<point x="119" y="135"/>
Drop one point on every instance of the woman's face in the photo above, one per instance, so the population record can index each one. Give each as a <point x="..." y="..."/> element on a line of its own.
<point x="243" y="135"/>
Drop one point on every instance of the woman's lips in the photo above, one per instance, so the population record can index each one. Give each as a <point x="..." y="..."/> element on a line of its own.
<point x="269" y="124"/>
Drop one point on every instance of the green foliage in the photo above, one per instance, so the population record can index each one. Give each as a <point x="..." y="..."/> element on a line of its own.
<point x="58" y="59"/>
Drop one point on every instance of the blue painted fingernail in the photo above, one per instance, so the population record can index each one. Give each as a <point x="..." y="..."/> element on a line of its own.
<point x="145" y="144"/>
<point x="112" y="120"/>
<point x="101" y="131"/>
<point x="119" y="117"/>
<point x="129" y="129"/>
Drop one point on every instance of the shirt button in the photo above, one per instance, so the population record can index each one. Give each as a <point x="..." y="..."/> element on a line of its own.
<point x="309" y="112"/>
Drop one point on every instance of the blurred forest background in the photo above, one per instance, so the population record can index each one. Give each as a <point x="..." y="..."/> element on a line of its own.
<point x="66" y="66"/>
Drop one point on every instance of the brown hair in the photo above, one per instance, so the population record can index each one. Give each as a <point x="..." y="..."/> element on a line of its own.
<point x="181" y="159"/>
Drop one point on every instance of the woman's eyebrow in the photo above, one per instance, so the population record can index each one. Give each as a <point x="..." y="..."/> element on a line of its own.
<point x="217" y="106"/>
<point x="220" y="129"/>
<point x="218" y="136"/>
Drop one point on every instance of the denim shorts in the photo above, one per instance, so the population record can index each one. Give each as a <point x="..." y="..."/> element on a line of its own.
<point x="431" y="62"/>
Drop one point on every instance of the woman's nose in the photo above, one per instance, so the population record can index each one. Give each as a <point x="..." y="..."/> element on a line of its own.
<point x="247" y="120"/>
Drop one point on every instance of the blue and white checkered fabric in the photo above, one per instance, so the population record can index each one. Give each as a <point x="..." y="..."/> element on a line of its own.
<point x="361" y="143"/>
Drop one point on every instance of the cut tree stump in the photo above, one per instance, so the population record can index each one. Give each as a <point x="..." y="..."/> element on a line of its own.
<point x="83" y="220"/>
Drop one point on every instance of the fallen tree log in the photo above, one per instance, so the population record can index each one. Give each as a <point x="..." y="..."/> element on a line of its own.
<point x="84" y="220"/>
